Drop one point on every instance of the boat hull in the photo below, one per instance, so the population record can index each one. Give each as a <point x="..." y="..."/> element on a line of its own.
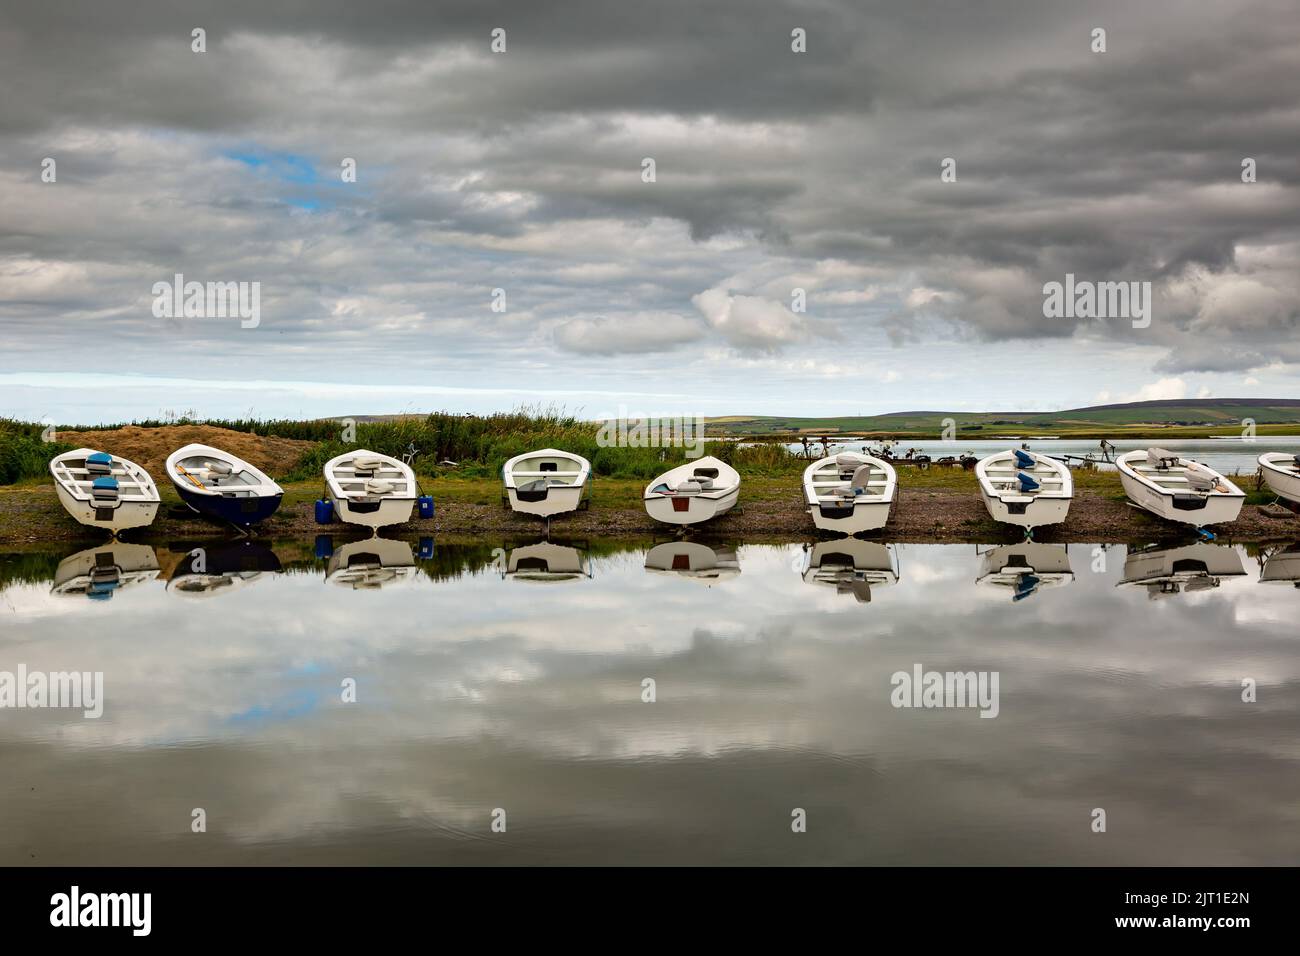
<point x="1281" y="483"/>
<point x="1180" y="565"/>
<point x="698" y="508"/>
<point x="244" y="512"/>
<point x="373" y="514"/>
<point x="1283" y="568"/>
<point x="99" y="573"/>
<point x="559" y="500"/>
<point x="121" y="517"/>
<point x="1218" y="509"/>
<point x="1026" y="568"/>
<point x="371" y="564"/>
<point x="863" y="516"/>
<point x="692" y="561"/>
<point x="545" y="562"/>
<point x="1038" y="512"/>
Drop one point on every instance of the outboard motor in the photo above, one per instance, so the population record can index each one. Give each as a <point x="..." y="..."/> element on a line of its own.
<point x="1200" y="478"/>
<point x="1161" y="458"/>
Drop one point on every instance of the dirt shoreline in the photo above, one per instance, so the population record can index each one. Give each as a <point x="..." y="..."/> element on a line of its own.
<point x="32" y="514"/>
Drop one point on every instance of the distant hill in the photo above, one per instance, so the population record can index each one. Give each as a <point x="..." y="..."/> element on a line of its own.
<point x="1203" y="414"/>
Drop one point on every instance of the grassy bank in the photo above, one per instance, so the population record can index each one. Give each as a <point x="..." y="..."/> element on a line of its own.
<point x="470" y="447"/>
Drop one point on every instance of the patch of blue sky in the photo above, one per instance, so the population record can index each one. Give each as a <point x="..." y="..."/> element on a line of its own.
<point x="284" y="166"/>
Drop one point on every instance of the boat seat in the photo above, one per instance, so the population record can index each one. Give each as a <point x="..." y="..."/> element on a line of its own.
<point x="99" y="463"/>
<point x="1027" y="483"/>
<point x="687" y="488"/>
<point x="1023" y="460"/>
<point x="219" y="468"/>
<point x="104" y="488"/>
<point x="841" y="492"/>
<point x="874" y="483"/>
<point x="367" y="464"/>
<point x="379" y="486"/>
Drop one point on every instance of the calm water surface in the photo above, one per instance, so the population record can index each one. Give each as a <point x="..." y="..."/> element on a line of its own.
<point x="513" y="679"/>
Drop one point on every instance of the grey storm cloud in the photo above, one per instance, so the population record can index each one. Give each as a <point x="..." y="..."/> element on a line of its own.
<point x="522" y="171"/>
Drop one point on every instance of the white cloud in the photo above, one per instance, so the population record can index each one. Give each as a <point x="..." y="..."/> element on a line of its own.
<point x="750" y="323"/>
<point x="640" y="332"/>
<point x="1163" y="390"/>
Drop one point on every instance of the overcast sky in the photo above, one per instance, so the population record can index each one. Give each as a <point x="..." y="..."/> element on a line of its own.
<point x="522" y="170"/>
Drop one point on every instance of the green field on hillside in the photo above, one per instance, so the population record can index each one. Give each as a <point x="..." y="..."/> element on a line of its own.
<point x="1192" y="418"/>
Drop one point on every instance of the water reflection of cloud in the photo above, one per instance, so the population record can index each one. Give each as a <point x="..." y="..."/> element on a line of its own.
<point x="476" y="692"/>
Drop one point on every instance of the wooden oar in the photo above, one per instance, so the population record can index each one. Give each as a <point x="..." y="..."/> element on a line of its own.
<point x="181" y="469"/>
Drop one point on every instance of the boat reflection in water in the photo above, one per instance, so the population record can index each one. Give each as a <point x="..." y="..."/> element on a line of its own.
<point x="545" y="562"/>
<point x="1282" y="566"/>
<point x="850" y="566"/>
<point x="1026" y="568"/>
<point x="209" y="570"/>
<point x="1193" y="567"/>
<point x="99" y="573"/>
<point x="694" y="561"/>
<point x="371" y="563"/>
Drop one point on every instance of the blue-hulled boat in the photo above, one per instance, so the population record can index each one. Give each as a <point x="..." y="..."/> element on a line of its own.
<point x="218" y="485"/>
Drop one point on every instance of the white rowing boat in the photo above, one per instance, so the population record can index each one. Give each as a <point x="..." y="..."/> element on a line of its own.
<point x="223" y="486"/>
<point x="546" y="482"/>
<point x="370" y="489"/>
<point x="693" y="492"/>
<point x="104" y="491"/>
<point x="1025" y="489"/>
<point x="849" y="492"/>
<point x="1178" y="489"/>
<point x="1281" y="473"/>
